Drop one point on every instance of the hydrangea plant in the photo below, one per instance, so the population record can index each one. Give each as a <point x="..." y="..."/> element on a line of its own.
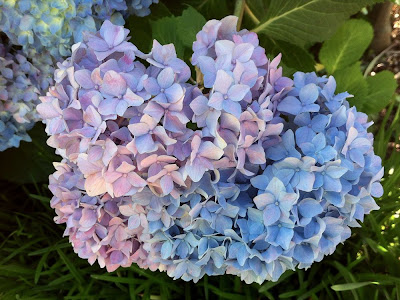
<point x="20" y="84"/>
<point x="247" y="173"/>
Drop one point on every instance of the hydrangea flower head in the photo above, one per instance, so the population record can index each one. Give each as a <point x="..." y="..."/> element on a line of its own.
<point x="20" y="86"/>
<point x="247" y="173"/>
<point x="53" y="26"/>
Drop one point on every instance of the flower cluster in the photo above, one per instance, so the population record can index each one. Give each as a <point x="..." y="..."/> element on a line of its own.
<point x="53" y="26"/>
<point x="250" y="173"/>
<point x="19" y="95"/>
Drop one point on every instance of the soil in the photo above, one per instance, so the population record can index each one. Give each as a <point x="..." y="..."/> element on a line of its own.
<point x="391" y="60"/>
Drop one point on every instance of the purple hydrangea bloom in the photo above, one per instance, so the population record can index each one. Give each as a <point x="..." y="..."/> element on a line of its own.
<point x="252" y="175"/>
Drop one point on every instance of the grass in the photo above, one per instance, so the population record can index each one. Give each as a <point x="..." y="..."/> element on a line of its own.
<point x="37" y="263"/>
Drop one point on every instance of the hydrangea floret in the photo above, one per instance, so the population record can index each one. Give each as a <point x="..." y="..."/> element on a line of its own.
<point x="247" y="173"/>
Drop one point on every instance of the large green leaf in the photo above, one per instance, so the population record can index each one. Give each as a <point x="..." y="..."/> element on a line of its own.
<point x="381" y="88"/>
<point x="303" y="22"/>
<point x="350" y="79"/>
<point x="181" y="31"/>
<point x="347" y="45"/>
<point x="189" y="24"/>
<point x="292" y="56"/>
<point x="165" y="31"/>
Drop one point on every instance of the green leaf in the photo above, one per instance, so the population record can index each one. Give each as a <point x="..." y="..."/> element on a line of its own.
<point x="165" y="31"/>
<point x="181" y="31"/>
<point x="350" y="79"/>
<point x="214" y="9"/>
<point x="381" y="88"/>
<point x="346" y="46"/>
<point x="118" y="279"/>
<point x="350" y="286"/>
<point x="292" y="56"/>
<point x="189" y="24"/>
<point x="303" y="22"/>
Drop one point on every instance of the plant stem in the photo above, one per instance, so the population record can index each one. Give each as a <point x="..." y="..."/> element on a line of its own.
<point x="373" y="62"/>
<point x="251" y="14"/>
<point x="239" y="9"/>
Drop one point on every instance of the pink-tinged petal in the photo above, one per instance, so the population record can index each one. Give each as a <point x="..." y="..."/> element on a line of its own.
<point x="49" y="110"/>
<point x="92" y="117"/>
<point x="125" y="167"/>
<point x="111" y="177"/>
<point x="177" y="177"/>
<point x="139" y="129"/>
<point x="166" y="184"/>
<point x="238" y="91"/>
<point x="110" y="150"/>
<point x="89" y="218"/>
<point x="199" y="105"/>
<point x="243" y="52"/>
<point x="174" y="93"/>
<point x="86" y="166"/>
<point x="162" y="53"/>
<point x="154" y="178"/>
<point x="113" y="34"/>
<point x="216" y="101"/>
<point x="209" y="150"/>
<point x="162" y="135"/>
<point x="108" y="106"/>
<point x="96" y="77"/>
<point x="132" y="99"/>
<point x="95" y="185"/>
<point x="228" y="27"/>
<point x="95" y="153"/>
<point x="121" y="186"/>
<point x="224" y="47"/>
<point x="148" y="161"/>
<point x="256" y="154"/>
<point x="154" y="110"/>
<point x="136" y="181"/>
<point x="83" y="78"/>
<point x="120" y="234"/>
<point x="113" y="84"/>
<point x="166" y="78"/>
<point x="223" y="82"/>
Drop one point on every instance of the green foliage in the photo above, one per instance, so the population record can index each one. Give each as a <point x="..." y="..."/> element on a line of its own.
<point x="37" y="263"/>
<point x="346" y="46"/>
<point x="341" y="56"/>
<point x="303" y="22"/>
<point x="380" y="90"/>
<point x="181" y="31"/>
